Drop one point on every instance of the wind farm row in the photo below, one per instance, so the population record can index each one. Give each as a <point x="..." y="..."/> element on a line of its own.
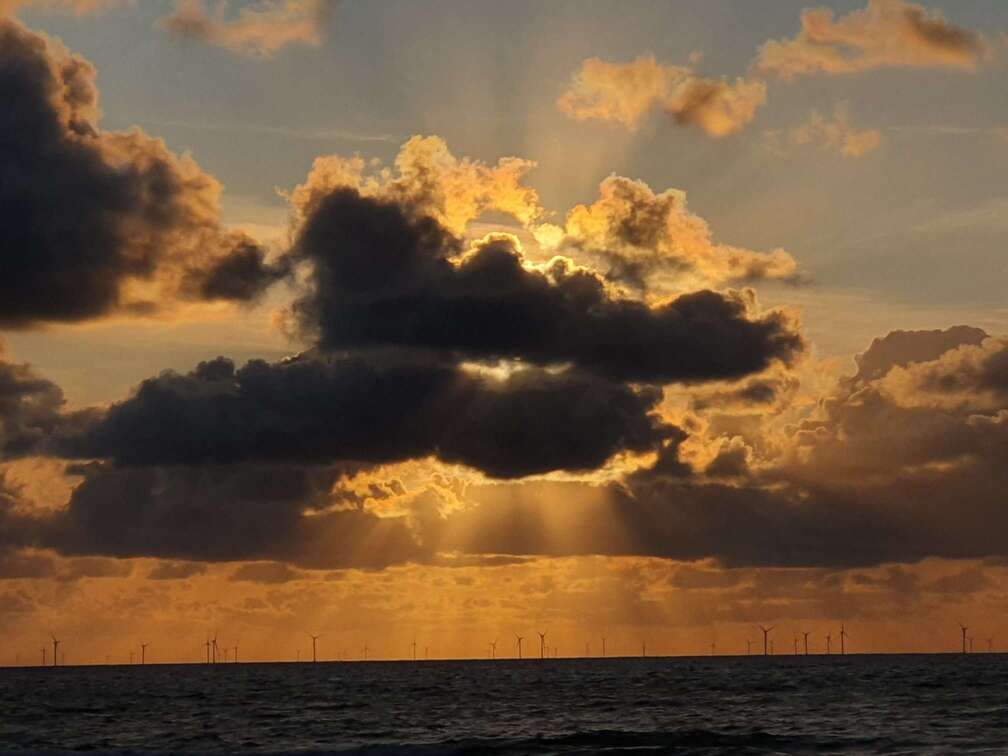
<point x="212" y="651"/>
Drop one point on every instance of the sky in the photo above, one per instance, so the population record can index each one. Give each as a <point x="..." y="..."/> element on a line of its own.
<point x="451" y="322"/>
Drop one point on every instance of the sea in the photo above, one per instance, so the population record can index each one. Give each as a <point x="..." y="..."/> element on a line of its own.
<point x="858" y="704"/>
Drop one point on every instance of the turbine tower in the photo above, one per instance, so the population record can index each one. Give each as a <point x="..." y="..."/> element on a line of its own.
<point x="55" y="645"/>
<point x="829" y="644"/>
<point x="542" y="645"/>
<point x="143" y="652"/>
<point x="493" y="649"/>
<point x="603" y="646"/>
<point x="518" y="642"/>
<point x="964" y="629"/>
<point x="314" y="640"/>
<point x="843" y="636"/>
<point x="806" y="642"/>
<point x="766" y="633"/>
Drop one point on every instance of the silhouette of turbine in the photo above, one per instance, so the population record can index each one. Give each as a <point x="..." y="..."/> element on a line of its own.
<point x="766" y="633"/>
<point x="964" y="629"/>
<point x="143" y="653"/>
<point x="542" y="645"/>
<point x="55" y="645"/>
<point x="843" y="636"/>
<point x="806" y="642"/>
<point x="518" y="642"/>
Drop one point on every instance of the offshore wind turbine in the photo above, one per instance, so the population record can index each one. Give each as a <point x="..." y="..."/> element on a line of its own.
<point x="207" y="644"/>
<point x="143" y="652"/>
<point x="43" y="656"/>
<point x="796" y="644"/>
<point x="518" y="642"/>
<point x="806" y="642"/>
<point x="542" y="645"/>
<point x="55" y="645"/>
<point x="964" y="629"/>
<point x="603" y="646"/>
<point x="236" y="652"/>
<point x="843" y="636"/>
<point x="314" y="640"/>
<point x="748" y="647"/>
<point x="829" y="640"/>
<point x="766" y="633"/>
<point x="414" y="649"/>
<point x="493" y="650"/>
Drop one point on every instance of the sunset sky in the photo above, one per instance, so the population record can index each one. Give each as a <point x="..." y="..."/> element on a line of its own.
<point x="457" y="321"/>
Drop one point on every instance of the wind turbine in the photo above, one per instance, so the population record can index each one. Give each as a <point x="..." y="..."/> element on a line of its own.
<point x="207" y="644"/>
<point x="493" y="649"/>
<point x="314" y="639"/>
<point x="843" y="636"/>
<point x="713" y="648"/>
<point x="643" y="648"/>
<point x="43" y="656"/>
<point x="518" y="642"/>
<point x="603" y="646"/>
<point x="964" y="629"/>
<point x="365" y="651"/>
<point x="143" y="652"/>
<point x="748" y="647"/>
<point x="806" y="642"/>
<point x="55" y="645"/>
<point x="766" y="633"/>
<point x="796" y="644"/>
<point x="829" y="640"/>
<point x="213" y="641"/>
<point x="236" y="652"/>
<point x="414" y="649"/>
<point x="542" y="645"/>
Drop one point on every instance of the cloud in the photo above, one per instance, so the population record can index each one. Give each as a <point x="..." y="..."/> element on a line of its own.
<point x="652" y="240"/>
<point x="378" y="409"/>
<point x="259" y="30"/>
<point x="176" y="570"/>
<point x="97" y="222"/>
<point x="901" y="348"/>
<point x="834" y="133"/>
<point x="627" y="92"/>
<point x="885" y="33"/>
<point x="430" y="180"/>
<point x="383" y="277"/>
<point x="270" y="573"/>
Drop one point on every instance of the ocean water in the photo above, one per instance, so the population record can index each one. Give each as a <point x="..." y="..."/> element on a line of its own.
<point x="938" y="704"/>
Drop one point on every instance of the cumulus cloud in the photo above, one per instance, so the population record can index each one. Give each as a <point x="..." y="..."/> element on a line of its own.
<point x="383" y="277"/>
<point x="836" y="134"/>
<point x="377" y="410"/>
<point x="648" y="239"/>
<point x="261" y="29"/>
<point x="884" y="33"/>
<point x="95" y="222"/>
<point x="430" y="180"/>
<point x="627" y="92"/>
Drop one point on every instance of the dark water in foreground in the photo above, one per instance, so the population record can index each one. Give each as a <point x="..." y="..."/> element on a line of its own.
<point x="857" y="704"/>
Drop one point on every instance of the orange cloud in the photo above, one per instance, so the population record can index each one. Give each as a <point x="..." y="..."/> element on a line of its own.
<point x="885" y="33"/>
<point x="627" y="92"/>
<point x="834" y="133"/>
<point x="429" y="178"/>
<point x="652" y="239"/>
<point x="260" y="30"/>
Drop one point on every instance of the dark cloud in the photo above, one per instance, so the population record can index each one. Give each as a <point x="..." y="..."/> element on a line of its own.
<point x="386" y="278"/>
<point x="30" y="409"/>
<point x="215" y="514"/>
<point x="84" y="212"/>
<point x="375" y="409"/>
